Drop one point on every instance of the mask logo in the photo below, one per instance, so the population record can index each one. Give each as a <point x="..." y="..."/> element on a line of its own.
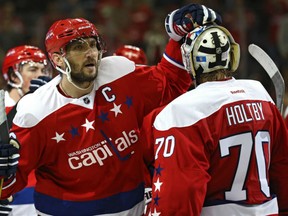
<point x="218" y="50"/>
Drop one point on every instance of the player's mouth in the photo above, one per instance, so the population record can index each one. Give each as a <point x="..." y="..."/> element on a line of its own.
<point x="90" y="65"/>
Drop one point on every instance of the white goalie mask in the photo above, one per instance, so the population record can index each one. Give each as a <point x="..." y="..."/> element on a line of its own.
<point x="210" y="48"/>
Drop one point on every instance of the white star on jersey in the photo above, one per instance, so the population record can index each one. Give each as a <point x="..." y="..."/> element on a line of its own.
<point x="88" y="125"/>
<point x="155" y="213"/>
<point x="116" y="109"/>
<point x="158" y="185"/>
<point x="59" y="137"/>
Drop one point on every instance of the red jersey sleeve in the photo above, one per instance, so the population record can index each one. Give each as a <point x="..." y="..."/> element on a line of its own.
<point x="160" y="84"/>
<point x="179" y="173"/>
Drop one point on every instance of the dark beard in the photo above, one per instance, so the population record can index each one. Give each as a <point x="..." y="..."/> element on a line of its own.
<point x="81" y="78"/>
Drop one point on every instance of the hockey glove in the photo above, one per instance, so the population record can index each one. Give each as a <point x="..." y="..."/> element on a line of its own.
<point x="4" y="208"/>
<point x="9" y="156"/>
<point x="181" y="21"/>
<point x="36" y="83"/>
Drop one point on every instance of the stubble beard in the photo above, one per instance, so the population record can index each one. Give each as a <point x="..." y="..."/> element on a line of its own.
<point x="80" y="77"/>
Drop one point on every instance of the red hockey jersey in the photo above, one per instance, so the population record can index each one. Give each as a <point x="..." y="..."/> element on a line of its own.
<point x="86" y="151"/>
<point x="222" y="146"/>
<point x="23" y="201"/>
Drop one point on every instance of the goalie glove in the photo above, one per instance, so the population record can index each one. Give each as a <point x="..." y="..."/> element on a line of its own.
<point x="181" y="21"/>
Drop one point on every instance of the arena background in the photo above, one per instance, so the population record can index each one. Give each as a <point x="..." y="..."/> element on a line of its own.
<point x="141" y="23"/>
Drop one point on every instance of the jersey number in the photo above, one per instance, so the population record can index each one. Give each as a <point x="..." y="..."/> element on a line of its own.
<point x="245" y="141"/>
<point x="168" y="144"/>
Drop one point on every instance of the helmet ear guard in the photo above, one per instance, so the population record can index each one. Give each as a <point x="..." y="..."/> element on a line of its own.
<point x="209" y="48"/>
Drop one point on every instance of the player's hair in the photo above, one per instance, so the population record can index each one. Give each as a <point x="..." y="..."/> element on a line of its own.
<point x="217" y="75"/>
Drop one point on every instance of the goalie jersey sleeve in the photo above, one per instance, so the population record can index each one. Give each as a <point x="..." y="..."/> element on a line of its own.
<point x="222" y="146"/>
<point x="86" y="151"/>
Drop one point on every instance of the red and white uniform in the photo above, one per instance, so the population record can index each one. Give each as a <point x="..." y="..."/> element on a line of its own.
<point x="222" y="146"/>
<point x="9" y="102"/>
<point x="23" y="201"/>
<point x="86" y="151"/>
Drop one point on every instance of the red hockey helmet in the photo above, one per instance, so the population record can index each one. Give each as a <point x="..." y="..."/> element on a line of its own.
<point x="64" y="31"/>
<point x="133" y="53"/>
<point x="22" y="54"/>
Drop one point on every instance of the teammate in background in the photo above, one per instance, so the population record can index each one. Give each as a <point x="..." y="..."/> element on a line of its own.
<point x="221" y="148"/>
<point x="80" y="131"/>
<point x="25" y="68"/>
<point x="22" y="64"/>
<point x="134" y="53"/>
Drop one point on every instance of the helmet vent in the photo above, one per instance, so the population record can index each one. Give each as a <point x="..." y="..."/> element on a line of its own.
<point x="66" y="34"/>
<point x="28" y="53"/>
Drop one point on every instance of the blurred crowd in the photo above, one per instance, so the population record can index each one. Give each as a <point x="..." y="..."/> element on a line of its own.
<point x="141" y="23"/>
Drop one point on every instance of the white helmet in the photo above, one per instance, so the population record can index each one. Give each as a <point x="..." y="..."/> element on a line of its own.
<point x="210" y="48"/>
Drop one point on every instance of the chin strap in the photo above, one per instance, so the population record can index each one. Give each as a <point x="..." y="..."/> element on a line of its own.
<point x="17" y="86"/>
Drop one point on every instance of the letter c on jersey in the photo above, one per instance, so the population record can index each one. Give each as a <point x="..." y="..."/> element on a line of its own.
<point x="109" y="97"/>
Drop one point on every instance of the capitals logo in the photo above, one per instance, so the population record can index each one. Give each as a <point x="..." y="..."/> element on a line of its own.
<point x="99" y="152"/>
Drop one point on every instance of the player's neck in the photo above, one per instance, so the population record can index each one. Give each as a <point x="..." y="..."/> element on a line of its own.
<point x="15" y="95"/>
<point x="71" y="90"/>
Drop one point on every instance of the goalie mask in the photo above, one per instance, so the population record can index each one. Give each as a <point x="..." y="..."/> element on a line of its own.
<point x="210" y="48"/>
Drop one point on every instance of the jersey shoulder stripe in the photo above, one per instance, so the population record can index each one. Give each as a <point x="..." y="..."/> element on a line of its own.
<point x="32" y="108"/>
<point x="206" y="99"/>
<point x="112" y="68"/>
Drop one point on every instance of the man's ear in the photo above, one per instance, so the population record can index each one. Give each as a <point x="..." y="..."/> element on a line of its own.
<point x="12" y="76"/>
<point x="58" y="60"/>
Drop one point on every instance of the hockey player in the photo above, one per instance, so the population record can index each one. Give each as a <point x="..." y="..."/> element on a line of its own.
<point x="220" y="149"/>
<point x="133" y="53"/>
<point x="80" y="131"/>
<point x="20" y="65"/>
<point x="25" y="68"/>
